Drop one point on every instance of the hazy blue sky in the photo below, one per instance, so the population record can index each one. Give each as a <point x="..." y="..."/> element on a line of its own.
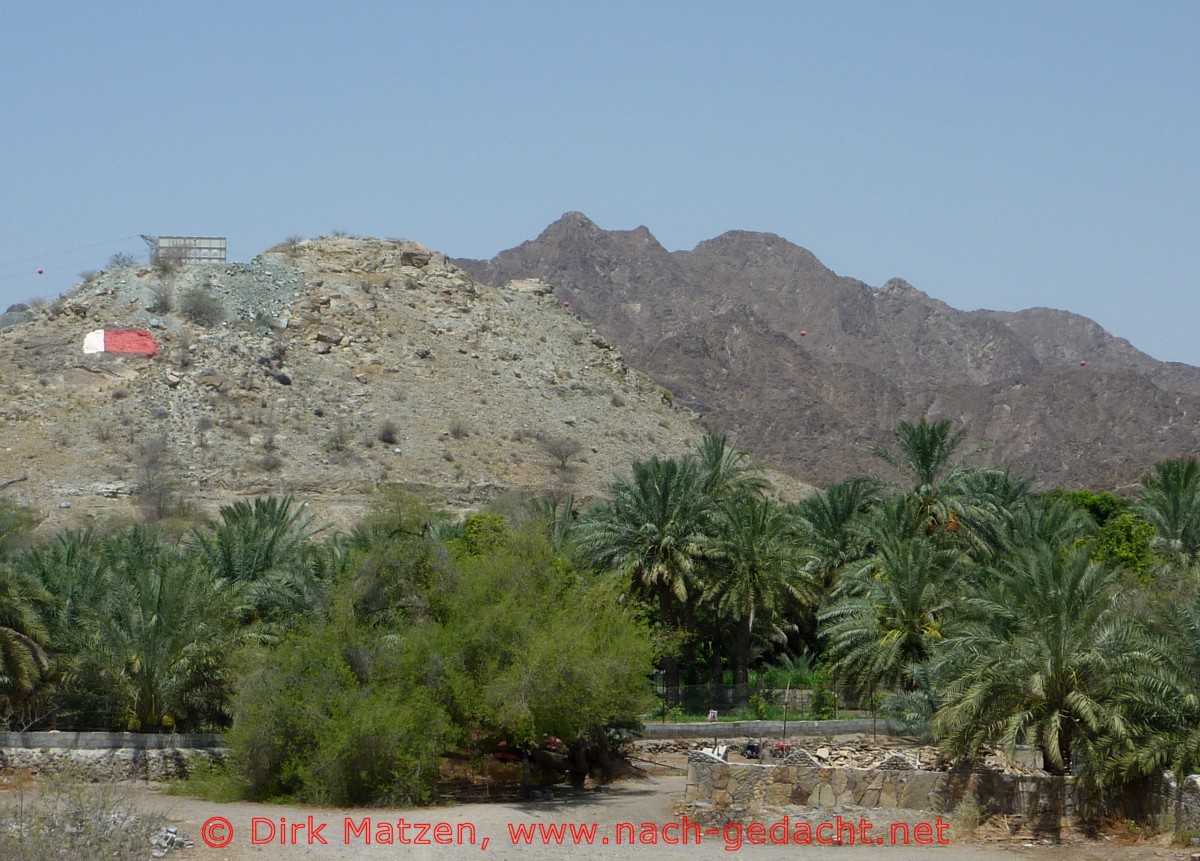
<point x="999" y="155"/>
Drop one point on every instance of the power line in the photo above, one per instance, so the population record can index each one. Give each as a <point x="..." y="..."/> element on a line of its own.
<point x="47" y="269"/>
<point x="66" y="251"/>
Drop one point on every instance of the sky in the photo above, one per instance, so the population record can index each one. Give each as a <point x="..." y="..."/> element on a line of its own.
<point x="995" y="155"/>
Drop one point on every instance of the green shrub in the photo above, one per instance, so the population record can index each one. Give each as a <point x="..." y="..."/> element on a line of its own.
<point x="212" y="781"/>
<point x="824" y="703"/>
<point x="414" y="657"/>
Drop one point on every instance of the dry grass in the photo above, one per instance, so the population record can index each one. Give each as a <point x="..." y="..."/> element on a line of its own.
<point x="59" y="818"/>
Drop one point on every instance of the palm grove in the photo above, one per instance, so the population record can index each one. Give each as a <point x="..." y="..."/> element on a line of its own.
<point x="347" y="668"/>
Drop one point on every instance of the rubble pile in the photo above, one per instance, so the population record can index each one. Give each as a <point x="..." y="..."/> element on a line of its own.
<point x="891" y="754"/>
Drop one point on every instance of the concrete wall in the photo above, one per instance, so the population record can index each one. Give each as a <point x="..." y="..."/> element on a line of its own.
<point x="109" y="741"/>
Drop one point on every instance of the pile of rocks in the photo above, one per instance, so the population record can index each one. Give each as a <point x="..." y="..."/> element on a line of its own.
<point x="170" y="838"/>
<point x="890" y="754"/>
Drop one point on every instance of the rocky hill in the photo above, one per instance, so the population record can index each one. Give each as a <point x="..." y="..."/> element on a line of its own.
<point x="807" y="367"/>
<point x="323" y="369"/>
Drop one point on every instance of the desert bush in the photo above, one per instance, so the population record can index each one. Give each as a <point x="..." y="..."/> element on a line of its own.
<point x="16" y="523"/>
<point x="458" y="429"/>
<point x="966" y="817"/>
<point x="201" y="307"/>
<point x="388" y="433"/>
<point x="289" y="246"/>
<point x="507" y="643"/>
<point x="162" y="299"/>
<point x="203" y="425"/>
<point x="306" y="727"/>
<point x="562" y="449"/>
<point x="183" y="349"/>
<point x="270" y="463"/>
<point x="121" y="259"/>
<point x="62" y="819"/>
<point x="167" y="261"/>
<point x="338" y="438"/>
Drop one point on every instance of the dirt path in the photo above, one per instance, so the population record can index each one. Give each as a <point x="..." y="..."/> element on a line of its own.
<point x="649" y="800"/>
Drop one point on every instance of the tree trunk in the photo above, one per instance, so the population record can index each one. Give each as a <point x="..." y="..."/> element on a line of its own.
<point x="741" y="661"/>
<point x="687" y="650"/>
<point x="1180" y="778"/>
<point x="716" y="671"/>
<point x="670" y="661"/>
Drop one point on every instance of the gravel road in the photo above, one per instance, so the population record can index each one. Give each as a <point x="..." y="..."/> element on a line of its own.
<point x="650" y="800"/>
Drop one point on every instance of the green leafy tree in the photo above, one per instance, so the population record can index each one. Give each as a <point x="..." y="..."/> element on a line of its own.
<point x="519" y="647"/>
<point x="1125" y="541"/>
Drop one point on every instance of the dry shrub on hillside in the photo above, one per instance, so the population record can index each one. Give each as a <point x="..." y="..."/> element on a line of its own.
<point x="63" y="819"/>
<point x="201" y="307"/>
<point x="562" y="449"/>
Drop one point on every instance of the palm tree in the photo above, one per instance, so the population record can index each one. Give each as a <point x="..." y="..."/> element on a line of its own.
<point x="833" y="524"/>
<point x="726" y="470"/>
<point x="925" y="452"/>
<point x="1037" y="664"/>
<point x="23" y="636"/>
<point x="557" y="517"/>
<point x="69" y="570"/>
<point x="651" y="533"/>
<point x="267" y="546"/>
<point x="759" y="564"/>
<point x="157" y="644"/>
<point x="1170" y="502"/>
<point x="890" y="612"/>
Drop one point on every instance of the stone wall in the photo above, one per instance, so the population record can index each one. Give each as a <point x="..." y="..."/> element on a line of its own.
<point x="103" y="756"/>
<point x="773" y="728"/>
<point x="737" y="787"/>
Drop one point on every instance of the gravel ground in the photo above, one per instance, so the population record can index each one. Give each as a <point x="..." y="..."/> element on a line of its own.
<point x="649" y="800"/>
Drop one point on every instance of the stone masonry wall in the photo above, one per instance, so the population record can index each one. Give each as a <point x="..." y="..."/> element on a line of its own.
<point x="727" y="786"/>
<point x="99" y="756"/>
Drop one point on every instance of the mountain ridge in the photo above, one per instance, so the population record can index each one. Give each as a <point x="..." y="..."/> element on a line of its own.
<point x="749" y="318"/>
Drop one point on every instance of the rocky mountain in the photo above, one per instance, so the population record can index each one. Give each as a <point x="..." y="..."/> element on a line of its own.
<point x="322" y="369"/>
<point x="806" y="367"/>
